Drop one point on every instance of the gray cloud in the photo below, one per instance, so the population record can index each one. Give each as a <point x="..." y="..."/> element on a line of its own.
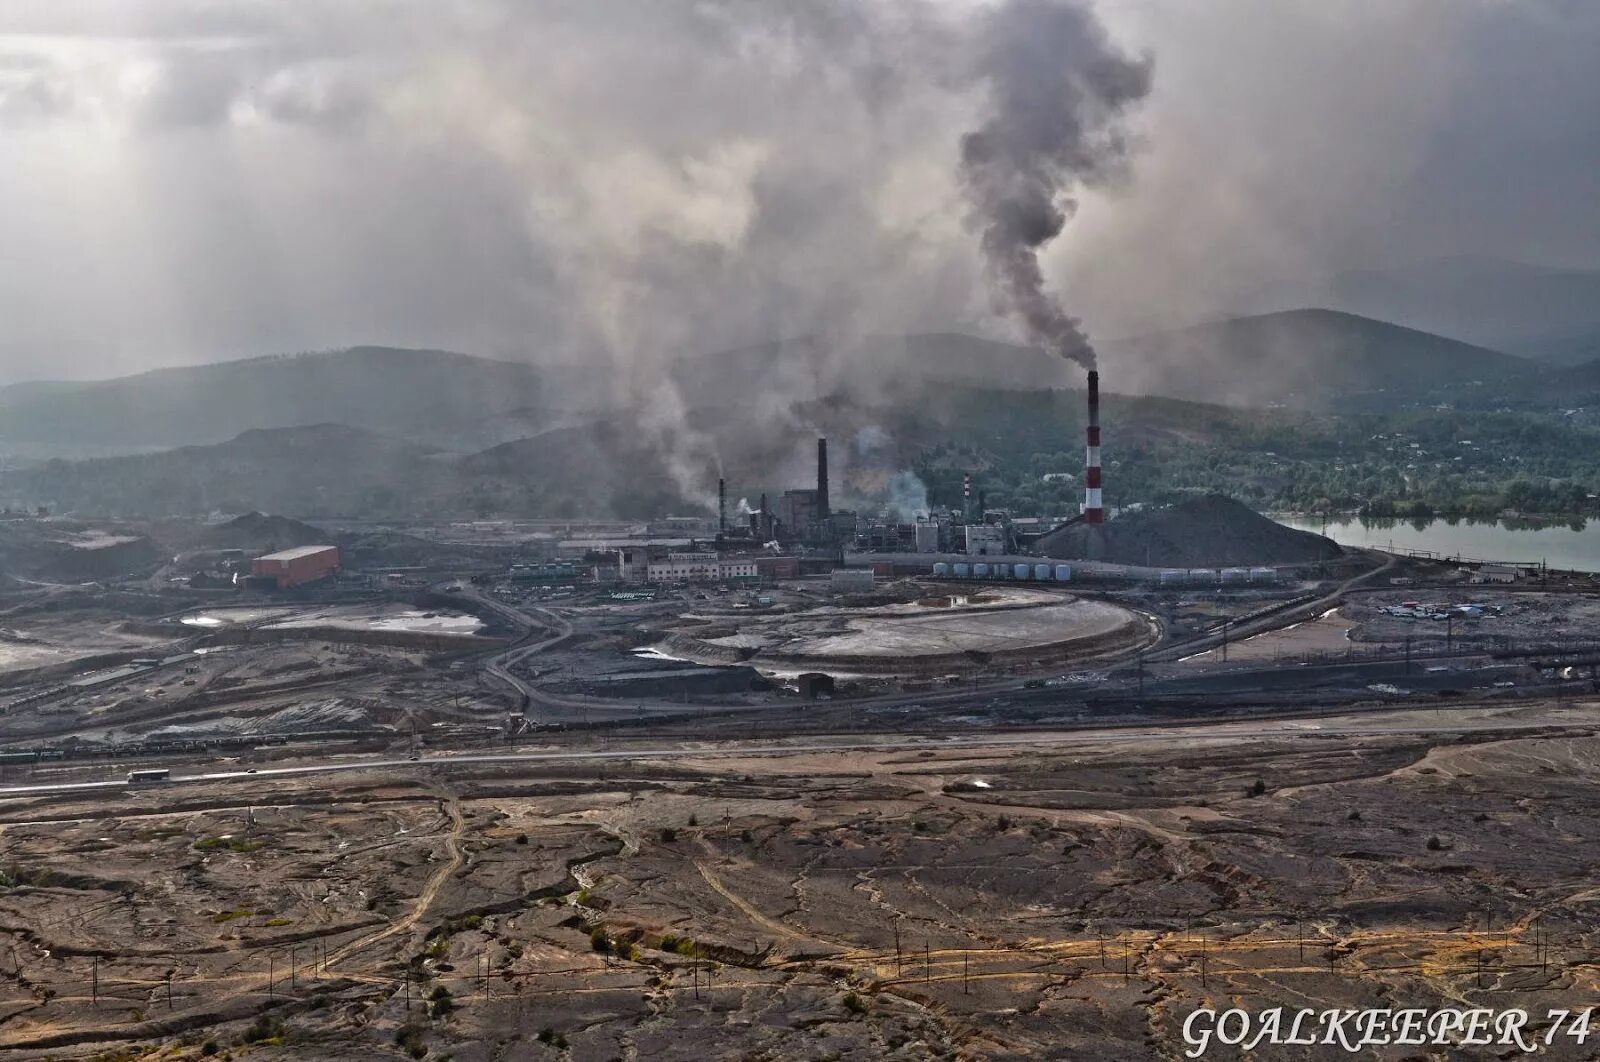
<point x="624" y="182"/>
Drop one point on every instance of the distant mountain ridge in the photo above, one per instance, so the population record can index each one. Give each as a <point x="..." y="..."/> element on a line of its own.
<point x="381" y="389"/>
<point x="461" y="403"/>
<point x="1538" y="311"/>
<point x="1310" y="358"/>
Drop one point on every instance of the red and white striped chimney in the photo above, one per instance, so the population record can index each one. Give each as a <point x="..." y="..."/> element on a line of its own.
<point x="1093" y="508"/>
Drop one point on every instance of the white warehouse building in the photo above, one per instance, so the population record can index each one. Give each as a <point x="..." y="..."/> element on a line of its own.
<point x="699" y="568"/>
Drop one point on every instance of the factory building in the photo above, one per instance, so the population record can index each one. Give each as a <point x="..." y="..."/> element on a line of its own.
<point x="296" y="567"/>
<point x="797" y="514"/>
<point x="851" y="581"/>
<point x="802" y="515"/>
<point x="700" y="567"/>
<point x="806" y="515"/>
<point x="985" y="540"/>
<point x="544" y="572"/>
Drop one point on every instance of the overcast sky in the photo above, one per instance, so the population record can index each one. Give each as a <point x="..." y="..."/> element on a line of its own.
<point x="190" y="180"/>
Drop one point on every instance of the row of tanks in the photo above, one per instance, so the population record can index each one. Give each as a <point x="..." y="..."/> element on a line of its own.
<point x="1038" y="573"/>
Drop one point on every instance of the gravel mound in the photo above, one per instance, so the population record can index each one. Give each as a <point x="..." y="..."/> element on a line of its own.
<point x="1213" y="531"/>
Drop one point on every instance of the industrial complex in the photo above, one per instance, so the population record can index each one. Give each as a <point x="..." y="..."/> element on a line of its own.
<point x="850" y="779"/>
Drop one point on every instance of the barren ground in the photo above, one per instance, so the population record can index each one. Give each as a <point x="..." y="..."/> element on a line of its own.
<point x="1074" y="897"/>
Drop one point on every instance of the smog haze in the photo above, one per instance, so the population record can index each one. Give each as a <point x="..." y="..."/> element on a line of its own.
<point x="622" y="184"/>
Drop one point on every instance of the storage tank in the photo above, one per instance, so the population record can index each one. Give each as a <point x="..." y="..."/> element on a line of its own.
<point x="980" y="569"/>
<point x="940" y="569"/>
<point x="1063" y="573"/>
<point x="1202" y="576"/>
<point x="1041" y="571"/>
<point x="1235" y="575"/>
<point x="1263" y="575"/>
<point x="962" y="569"/>
<point x="1172" y="577"/>
<point x="1021" y="571"/>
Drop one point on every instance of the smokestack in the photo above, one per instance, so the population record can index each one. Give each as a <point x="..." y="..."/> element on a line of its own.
<point x="1093" y="508"/>
<point x="966" y="495"/>
<point x="824" y="510"/>
<point x="722" y="506"/>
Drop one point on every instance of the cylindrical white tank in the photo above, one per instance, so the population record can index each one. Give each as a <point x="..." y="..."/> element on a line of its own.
<point x="940" y="569"/>
<point x="962" y="569"/>
<point x="980" y="569"/>
<point x="1041" y="571"/>
<point x="1063" y="573"/>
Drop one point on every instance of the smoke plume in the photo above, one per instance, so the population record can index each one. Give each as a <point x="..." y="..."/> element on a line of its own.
<point x="1059" y="89"/>
<point x="908" y="497"/>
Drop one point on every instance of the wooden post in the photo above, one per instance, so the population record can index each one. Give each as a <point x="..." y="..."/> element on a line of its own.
<point x="94" y="979"/>
<point x="966" y="985"/>
<point x="1300" y="928"/>
<point x="897" y="962"/>
<point x="1124" y="960"/>
<point x="270" y="960"/>
<point x="927" y="963"/>
<point x="1202" y="960"/>
<point x="169" y="990"/>
<point x="293" y="983"/>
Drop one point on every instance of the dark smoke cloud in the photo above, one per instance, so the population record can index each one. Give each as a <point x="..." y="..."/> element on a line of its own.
<point x="1059" y="90"/>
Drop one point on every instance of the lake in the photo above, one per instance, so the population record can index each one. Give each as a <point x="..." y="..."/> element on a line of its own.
<point x="1567" y="546"/>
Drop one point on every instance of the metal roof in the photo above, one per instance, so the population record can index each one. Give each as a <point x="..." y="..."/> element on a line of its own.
<point x="296" y="553"/>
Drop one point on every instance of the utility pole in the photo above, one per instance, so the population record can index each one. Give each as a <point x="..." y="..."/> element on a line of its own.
<point x="292" y="982"/>
<point x="169" y="990"/>
<point x="269" y="974"/>
<point x="966" y="985"/>
<point x="1202" y="960"/>
<point x="897" y="963"/>
<point x="1124" y="961"/>
<point x="94" y="979"/>
<point x="927" y="963"/>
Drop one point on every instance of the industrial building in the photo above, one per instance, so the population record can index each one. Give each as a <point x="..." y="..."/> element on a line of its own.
<point x="296" y="567"/>
<point x="699" y="567"/>
<point x="803" y="516"/>
<point x="544" y="572"/>
<point x="851" y="581"/>
<point x="986" y="540"/>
